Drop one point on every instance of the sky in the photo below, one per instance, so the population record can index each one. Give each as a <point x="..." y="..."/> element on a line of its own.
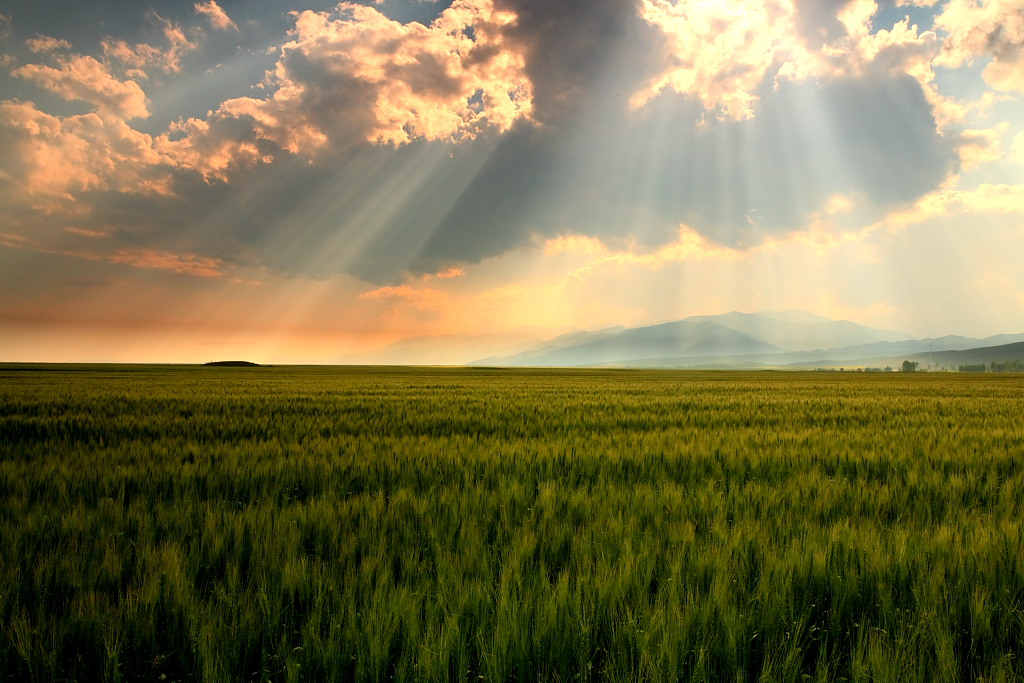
<point x="304" y="182"/>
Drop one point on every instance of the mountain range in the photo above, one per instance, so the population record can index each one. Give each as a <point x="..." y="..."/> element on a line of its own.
<point x="790" y="339"/>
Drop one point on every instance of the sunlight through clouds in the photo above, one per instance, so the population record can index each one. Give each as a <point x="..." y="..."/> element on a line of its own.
<point x="373" y="171"/>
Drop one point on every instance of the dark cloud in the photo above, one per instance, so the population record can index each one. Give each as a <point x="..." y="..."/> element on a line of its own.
<point x="379" y="212"/>
<point x="571" y="46"/>
<point x="817" y="21"/>
<point x="587" y="164"/>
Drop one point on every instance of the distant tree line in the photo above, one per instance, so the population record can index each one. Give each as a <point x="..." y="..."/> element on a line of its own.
<point x="979" y="367"/>
<point x="1005" y="366"/>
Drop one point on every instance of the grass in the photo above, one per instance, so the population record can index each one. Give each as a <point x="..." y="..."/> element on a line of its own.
<point x="371" y="524"/>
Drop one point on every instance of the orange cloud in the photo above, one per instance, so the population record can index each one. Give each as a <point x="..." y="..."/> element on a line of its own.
<point x="142" y="56"/>
<point x="443" y="81"/>
<point x="420" y="299"/>
<point x="141" y="257"/>
<point x="218" y="18"/>
<point x="444" y="274"/>
<point x="184" y="264"/>
<point x="47" y="44"/>
<point x="85" y="232"/>
<point x="48" y="155"/>
<point x="83" y="78"/>
<point x="355" y="76"/>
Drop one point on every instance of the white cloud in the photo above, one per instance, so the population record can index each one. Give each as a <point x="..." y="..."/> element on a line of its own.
<point x="726" y="53"/>
<point x="720" y="52"/>
<point x="980" y="146"/>
<point x="990" y="28"/>
<point x="1017" y="149"/>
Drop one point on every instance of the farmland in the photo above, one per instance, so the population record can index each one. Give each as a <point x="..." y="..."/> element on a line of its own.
<point x="465" y="524"/>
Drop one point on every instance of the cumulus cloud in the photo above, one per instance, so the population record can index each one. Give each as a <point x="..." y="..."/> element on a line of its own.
<point x="719" y="52"/>
<point x="218" y="18"/>
<point x="727" y="55"/>
<point x="987" y="198"/>
<point x="578" y="52"/>
<point x="47" y="44"/>
<point x="358" y="150"/>
<point x="990" y="28"/>
<point x="980" y="146"/>
<point x="80" y="77"/>
<point x="354" y="76"/>
<point x="444" y="81"/>
<point x="47" y="155"/>
<point x="139" y="57"/>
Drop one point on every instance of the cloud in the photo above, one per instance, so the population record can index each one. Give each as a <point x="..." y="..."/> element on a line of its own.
<point x="951" y="201"/>
<point x="578" y="53"/>
<point x="137" y="257"/>
<point x="389" y="150"/>
<point x="353" y="76"/>
<point x="156" y="259"/>
<point x="980" y="146"/>
<point x="446" y="274"/>
<point x="425" y="300"/>
<point x="727" y="55"/>
<point x="1017" y="148"/>
<point x="446" y="81"/>
<point x="991" y="28"/>
<point x="47" y="44"/>
<point x="142" y="56"/>
<point x="80" y="77"/>
<point x="689" y="245"/>
<point x="218" y="18"/>
<point x="54" y="156"/>
<point x="719" y="52"/>
<point x="242" y="133"/>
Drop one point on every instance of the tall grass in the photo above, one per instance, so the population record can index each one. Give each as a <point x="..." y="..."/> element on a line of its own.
<point x="305" y="524"/>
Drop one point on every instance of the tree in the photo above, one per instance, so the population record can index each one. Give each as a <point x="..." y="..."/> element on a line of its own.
<point x="909" y="366"/>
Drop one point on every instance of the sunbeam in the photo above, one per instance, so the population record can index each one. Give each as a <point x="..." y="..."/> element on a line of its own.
<point x="367" y="172"/>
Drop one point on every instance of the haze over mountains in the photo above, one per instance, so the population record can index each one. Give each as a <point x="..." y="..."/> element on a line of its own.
<point x="768" y="339"/>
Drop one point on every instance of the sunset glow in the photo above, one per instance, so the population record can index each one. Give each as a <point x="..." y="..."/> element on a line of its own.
<point x="310" y="183"/>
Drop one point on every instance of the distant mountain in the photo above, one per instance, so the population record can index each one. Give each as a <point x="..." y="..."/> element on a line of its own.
<point x="682" y="338"/>
<point x="564" y="341"/>
<point x="949" y="352"/>
<point x="985" y="355"/>
<point x="450" y="349"/>
<point x="794" y="339"/>
<point x="802" y="331"/>
<point x="751" y="339"/>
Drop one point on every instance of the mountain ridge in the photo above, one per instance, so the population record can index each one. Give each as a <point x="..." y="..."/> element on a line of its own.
<point x="794" y="339"/>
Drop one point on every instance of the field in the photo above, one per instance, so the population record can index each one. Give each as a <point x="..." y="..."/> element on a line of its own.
<point x="358" y="524"/>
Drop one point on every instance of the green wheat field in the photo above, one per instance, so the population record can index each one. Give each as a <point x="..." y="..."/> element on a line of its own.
<point x="188" y="523"/>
